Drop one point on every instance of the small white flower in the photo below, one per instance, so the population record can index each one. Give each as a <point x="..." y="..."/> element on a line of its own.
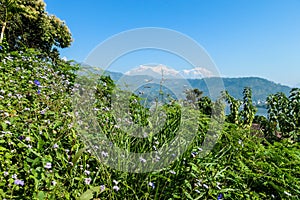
<point x="87" y="181"/>
<point x="5" y="173"/>
<point x="151" y="185"/>
<point x="53" y="182"/>
<point x="172" y="172"/>
<point x="14" y="176"/>
<point x="204" y="185"/>
<point x="142" y="160"/>
<point x="115" y="182"/>
<point x="27" y="139"/>
<point x="116" y="188"/>
<point x="102" y="188"/>
<point x="157" y="158"/>
<point x="55" y="146"/>
<point x="104" y="154"/>
<point x="48" y="165"/>
<point x="87" y="172"/>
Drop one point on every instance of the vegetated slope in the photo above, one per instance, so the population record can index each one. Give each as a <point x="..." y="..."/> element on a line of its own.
<point x="261" y="88"/>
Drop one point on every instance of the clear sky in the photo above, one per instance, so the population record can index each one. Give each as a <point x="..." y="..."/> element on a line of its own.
<point x="243" y="37"/>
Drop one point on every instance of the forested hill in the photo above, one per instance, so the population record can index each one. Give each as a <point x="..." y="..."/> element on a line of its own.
<point x="261" y="88"/>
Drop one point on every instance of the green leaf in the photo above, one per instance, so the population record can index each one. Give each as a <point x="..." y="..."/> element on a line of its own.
<point x="87" y="195"/>
<point x="41" y="195"/>
<point x="77" y="155"/>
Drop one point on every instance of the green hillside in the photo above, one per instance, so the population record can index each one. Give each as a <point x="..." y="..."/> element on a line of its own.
<point x="261" y="88"/>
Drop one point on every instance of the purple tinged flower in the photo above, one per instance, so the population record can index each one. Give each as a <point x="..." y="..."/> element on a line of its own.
<point x="102" y="188"/>
<point x="87" y="181"/>
<point x="55" y="146"/>
<point x="48" y="165"/>
<point x="39" y="92"/>
<point x="27" y="139"/>
<point x="1" y="47"/>
<point x="5" y="173"/>
<point x="21" y="137"/>
<point x="87" y="172"/>
<point x="19" y="182"/>
<point x="151" y="185"/>
<point x="220" y="196"/>
<point x="37" y="82"/>
<point x="14" y="176"/>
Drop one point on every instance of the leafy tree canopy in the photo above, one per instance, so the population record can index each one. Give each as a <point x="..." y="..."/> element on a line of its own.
<point x="25" y="23"/>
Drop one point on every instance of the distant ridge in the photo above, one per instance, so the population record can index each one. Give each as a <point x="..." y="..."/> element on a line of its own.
<point x="261" y="87"/>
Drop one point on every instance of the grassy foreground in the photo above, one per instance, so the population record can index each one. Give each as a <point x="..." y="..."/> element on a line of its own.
<point x="42" y="154"/>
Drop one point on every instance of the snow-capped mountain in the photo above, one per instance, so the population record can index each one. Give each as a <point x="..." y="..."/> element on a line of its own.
<point x="159" y="71"/>
<point x="196" y="73"/>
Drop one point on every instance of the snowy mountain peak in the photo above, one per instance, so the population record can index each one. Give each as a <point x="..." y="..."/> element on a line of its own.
<point x="159" y="71"/>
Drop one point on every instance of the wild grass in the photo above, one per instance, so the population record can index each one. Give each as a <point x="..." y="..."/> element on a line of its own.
<point x="44" y="153"/>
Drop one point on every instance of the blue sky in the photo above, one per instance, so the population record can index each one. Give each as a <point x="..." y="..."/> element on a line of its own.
<point x="243" y="37"/>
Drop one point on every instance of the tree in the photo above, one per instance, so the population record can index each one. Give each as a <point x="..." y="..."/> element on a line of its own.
<point x="249" y="109"/>
<point x="234" y="104"/>
<point x="284" y="112"/>
<point x="205" y="105"/>
<point x="25" y="23"/>
<point x="241" y="117"/>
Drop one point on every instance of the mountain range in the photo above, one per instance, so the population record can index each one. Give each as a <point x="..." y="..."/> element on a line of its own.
<point x="139" y="77"/>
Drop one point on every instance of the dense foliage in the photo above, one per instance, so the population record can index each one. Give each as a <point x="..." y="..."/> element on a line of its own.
<point x="26" y="24"/>
<point x="43" y="157"/>
<point x="44" y="153"/>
